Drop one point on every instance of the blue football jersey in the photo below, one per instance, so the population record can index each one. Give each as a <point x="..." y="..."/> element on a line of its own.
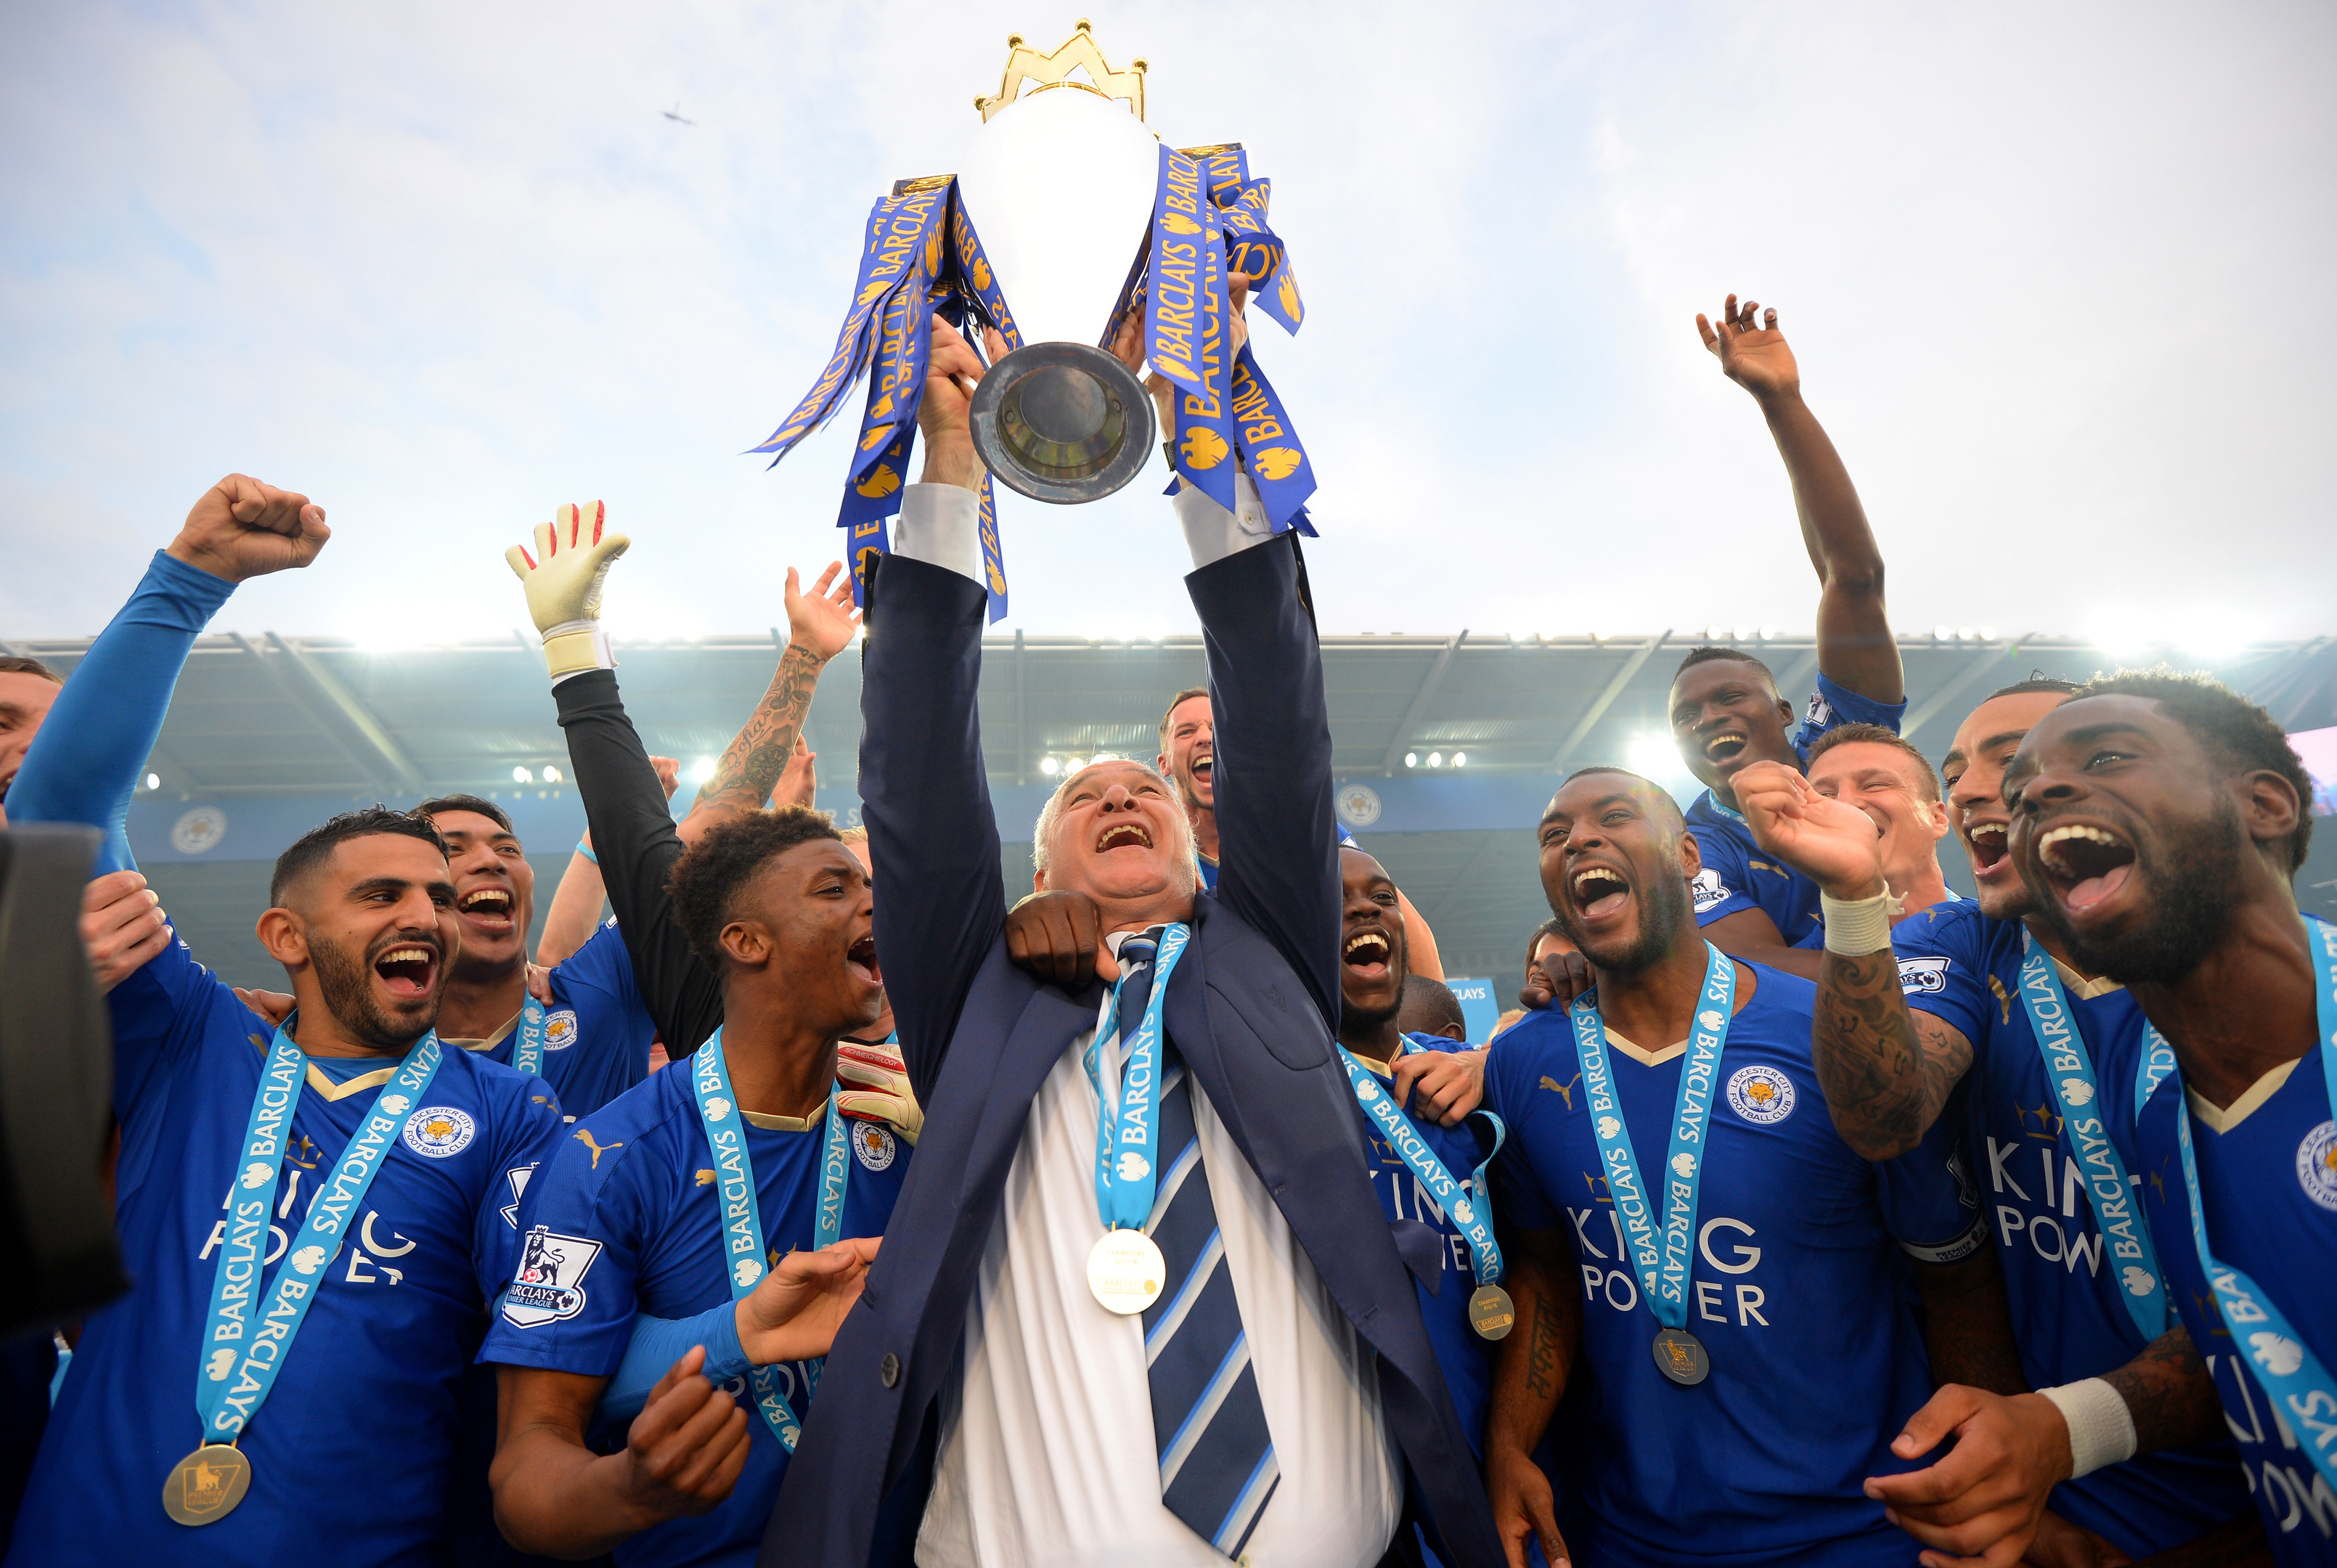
<point x="1738" y="874"/>
<point x="351" y="1454"/>
<point x="2069" y="1310"/>
<point x="2269" y="1184"/>
<point x="629" y="1209"/>
<point x="1797" y="1293"/>
<point x="597" y="1032"/>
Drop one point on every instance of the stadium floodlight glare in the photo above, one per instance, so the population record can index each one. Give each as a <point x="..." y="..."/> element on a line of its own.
<point x="1768" y="633"/>
<point x="1988" y="634"/>
<point x="1943" y="634"/>
<point x="1050" y="766"/>
<point x="1459" y="759"/>
<point x="701" y="770"/>
<point x="551" y="774"/>
<point x="1965" y="634"/>
<point x="1716" y="634"/>
<point x="1436" y="759"/>
<point x="1412" y="759"/>
<point x="153" y="781"/>
<point x="1653" y="755"/>
<point x="520" y="775"/>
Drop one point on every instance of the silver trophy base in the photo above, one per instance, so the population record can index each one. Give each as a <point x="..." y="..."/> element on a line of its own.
<point x="1062" y="422"/>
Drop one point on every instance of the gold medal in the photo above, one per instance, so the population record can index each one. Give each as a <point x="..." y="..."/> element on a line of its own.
<point x="1126" y="1272"/>
<point x="205" y="1486"/>
<point x="1680" y="1356"/>
<point x="1491" y="1313"/>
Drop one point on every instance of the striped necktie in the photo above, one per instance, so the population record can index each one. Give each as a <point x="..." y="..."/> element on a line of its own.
<point x="1217" y="1467"/>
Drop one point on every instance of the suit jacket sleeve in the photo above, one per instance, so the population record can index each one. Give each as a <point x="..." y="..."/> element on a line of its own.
<point x="924" y="795"/>
<point x="634" y="835"/>
<point x="1277" y="842"/>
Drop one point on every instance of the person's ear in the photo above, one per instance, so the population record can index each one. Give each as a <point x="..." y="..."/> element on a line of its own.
<point x="1691" y="855"/>
<point x="285" y="936"/>
<point x="2268" y="801"/>
<point x="1935" y="817"/>
<point x="1039" y="881"/>
<point x="745" y="943"/>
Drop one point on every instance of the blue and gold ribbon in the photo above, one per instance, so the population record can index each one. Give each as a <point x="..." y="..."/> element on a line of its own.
<point x="1270" y="448"/>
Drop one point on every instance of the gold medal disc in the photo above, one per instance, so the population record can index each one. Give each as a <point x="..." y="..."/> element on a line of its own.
<point x="1126" y="1272"/>
<point x="1491" y="1313"/>
<point x="205" y="1486"/>
<point x="1680" y="1356"/>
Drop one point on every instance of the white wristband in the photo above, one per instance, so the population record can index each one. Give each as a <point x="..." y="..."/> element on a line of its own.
<point x="1855" y="927"/>
<point x="573" y="647"/>
<point x="2101" y="1428"/>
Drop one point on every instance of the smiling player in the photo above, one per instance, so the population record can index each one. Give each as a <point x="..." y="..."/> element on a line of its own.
<point x="1705" y="1328"/>
<point x="1725" y="710"/>
<point x="2158" y="822"/>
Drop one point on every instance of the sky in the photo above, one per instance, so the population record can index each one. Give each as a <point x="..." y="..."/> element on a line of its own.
<point x="2049" y="272"/>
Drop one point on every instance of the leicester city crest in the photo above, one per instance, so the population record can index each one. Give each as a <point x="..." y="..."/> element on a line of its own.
<point x="559" y="1030"/>
<point x="1761" y="1095"/>
<point x="872" y="1144"/>
<point x="2316" y="1165"/>
<point x="439" y="1132"/>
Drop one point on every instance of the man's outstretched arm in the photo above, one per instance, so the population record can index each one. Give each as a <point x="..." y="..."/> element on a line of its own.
<point x="1855" y="648"/>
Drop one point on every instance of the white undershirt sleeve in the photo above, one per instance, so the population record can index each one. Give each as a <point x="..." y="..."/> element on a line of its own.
<point x="1213" y="533"/>
<point x="941" y="525"/>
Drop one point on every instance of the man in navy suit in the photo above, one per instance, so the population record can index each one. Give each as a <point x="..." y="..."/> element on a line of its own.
<point x="1259" y="1383"/>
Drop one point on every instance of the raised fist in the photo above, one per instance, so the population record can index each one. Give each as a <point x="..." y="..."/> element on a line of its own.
<point x="241" y="529"/>
<point x="1830" y="841"/>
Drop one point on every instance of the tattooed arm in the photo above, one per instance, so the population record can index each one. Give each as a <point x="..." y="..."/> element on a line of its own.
<point x="821" y="625"/>
<point x="1886" y="1069"/>
<point x="2169" y="1392"/>
<point x="1528" y="1377"/>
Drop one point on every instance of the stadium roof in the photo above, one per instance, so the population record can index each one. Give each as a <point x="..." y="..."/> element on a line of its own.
<point x="275" y="732"/>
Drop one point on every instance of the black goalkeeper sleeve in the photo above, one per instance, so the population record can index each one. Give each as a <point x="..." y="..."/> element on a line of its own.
<point x="634" y="835"/>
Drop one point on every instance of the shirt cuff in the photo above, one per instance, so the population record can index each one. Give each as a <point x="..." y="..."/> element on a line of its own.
<point x="1213" y="533"/>
<point x="941" y="525"/>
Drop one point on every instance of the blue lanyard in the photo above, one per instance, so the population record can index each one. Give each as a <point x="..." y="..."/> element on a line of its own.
<point x="2291" y="1376"/>
<point x="236" y="1375"/>
<point x="527" y="1051"/>
<point x="1473" y="1219"/>
<point x="1664" y="1261"/>
<point x="1128" y="1109"/>
<point x="742" y="1212"/>
<point x="1731" y="813"/>
<point x="2070" y="1068"/>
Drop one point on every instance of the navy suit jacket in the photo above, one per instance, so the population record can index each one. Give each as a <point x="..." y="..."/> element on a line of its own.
<point x="1250" y="1006"/>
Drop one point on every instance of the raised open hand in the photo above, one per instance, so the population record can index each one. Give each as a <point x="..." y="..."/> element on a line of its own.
<point x="1752" y="354"/>
<point x="1830" y="841"/>
<point x="574" y="554"/>
<point x="241" y="529"/>
<point x="822" y="622"/>
<point x="798" y="783"/>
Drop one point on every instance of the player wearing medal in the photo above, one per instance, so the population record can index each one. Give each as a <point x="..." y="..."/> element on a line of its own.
<point x="1750" y="1336"/>
<point x="1725" y="710"/>
<point x="2053" y="1151"/>
<point x="2158" y="820"/>
<point x="675" y="1199"/>
<point x="592" y="1040"/>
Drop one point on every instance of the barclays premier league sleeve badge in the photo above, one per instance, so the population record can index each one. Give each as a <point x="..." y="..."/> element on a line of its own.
<point x="549" y="1286"/>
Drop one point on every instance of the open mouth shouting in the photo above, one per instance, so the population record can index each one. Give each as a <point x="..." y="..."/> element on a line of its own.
<point x="1368" y="953"/>
<point x="2085" y="865"/>
<point x="1986" y="843"/>
<point x="408" y="968"/>
<point x="1123" y="835"/>
<point x="1202" y="763"/>
<point x="1598" y="892"/>
<point x="488" y="909"/>
<point x="1726" y="748"/>
<point x="860" y="960"/>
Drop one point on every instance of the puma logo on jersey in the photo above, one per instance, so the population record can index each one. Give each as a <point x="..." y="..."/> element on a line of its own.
<point x="585" y="1137"/>
<point x="1564" y="1091"/>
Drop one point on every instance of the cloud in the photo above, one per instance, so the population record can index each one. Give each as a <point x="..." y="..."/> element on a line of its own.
<point x="445" y="268"/>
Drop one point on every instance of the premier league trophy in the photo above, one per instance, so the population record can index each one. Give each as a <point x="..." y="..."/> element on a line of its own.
<point x="1071" y="207"/>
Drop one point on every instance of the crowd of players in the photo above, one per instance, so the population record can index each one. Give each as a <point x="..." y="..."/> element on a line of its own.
<point x="1971" y="1278"/>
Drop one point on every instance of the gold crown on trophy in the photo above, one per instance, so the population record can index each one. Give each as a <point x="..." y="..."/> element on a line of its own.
<point x="1077" y="53"/>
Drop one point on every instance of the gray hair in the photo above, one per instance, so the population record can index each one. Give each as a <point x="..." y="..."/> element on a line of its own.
<point x="1053" y="809"/>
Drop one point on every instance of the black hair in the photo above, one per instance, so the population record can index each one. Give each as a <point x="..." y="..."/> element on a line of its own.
<point x="463" y="802"/>
<point x="314" y="847"/>
<point x="2038" y="681"/>
<point x="1429" y="1008"/>
<point x="1710" y="651"/>
<point x="1552" y="927"/>
<point x="707" y="880"/>
<point x="2234" y="731"/>
<point x="1661" y="793"/>
<point x="1876" y="735"/>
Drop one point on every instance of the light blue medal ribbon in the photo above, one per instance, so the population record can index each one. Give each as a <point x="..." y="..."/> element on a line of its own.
<point x="744" y="1248"/>
<point x="1663" y="1259"/>
<point x="2070" y="1068"/>
<point x="1472" y="1211"/>
<point x="245" y="1349"/>
<point x="1127" y="1120"/>
<point x="527" y="1051"/>
<point x="1731" y="813"/>
<point x="2291" y="1376"/>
